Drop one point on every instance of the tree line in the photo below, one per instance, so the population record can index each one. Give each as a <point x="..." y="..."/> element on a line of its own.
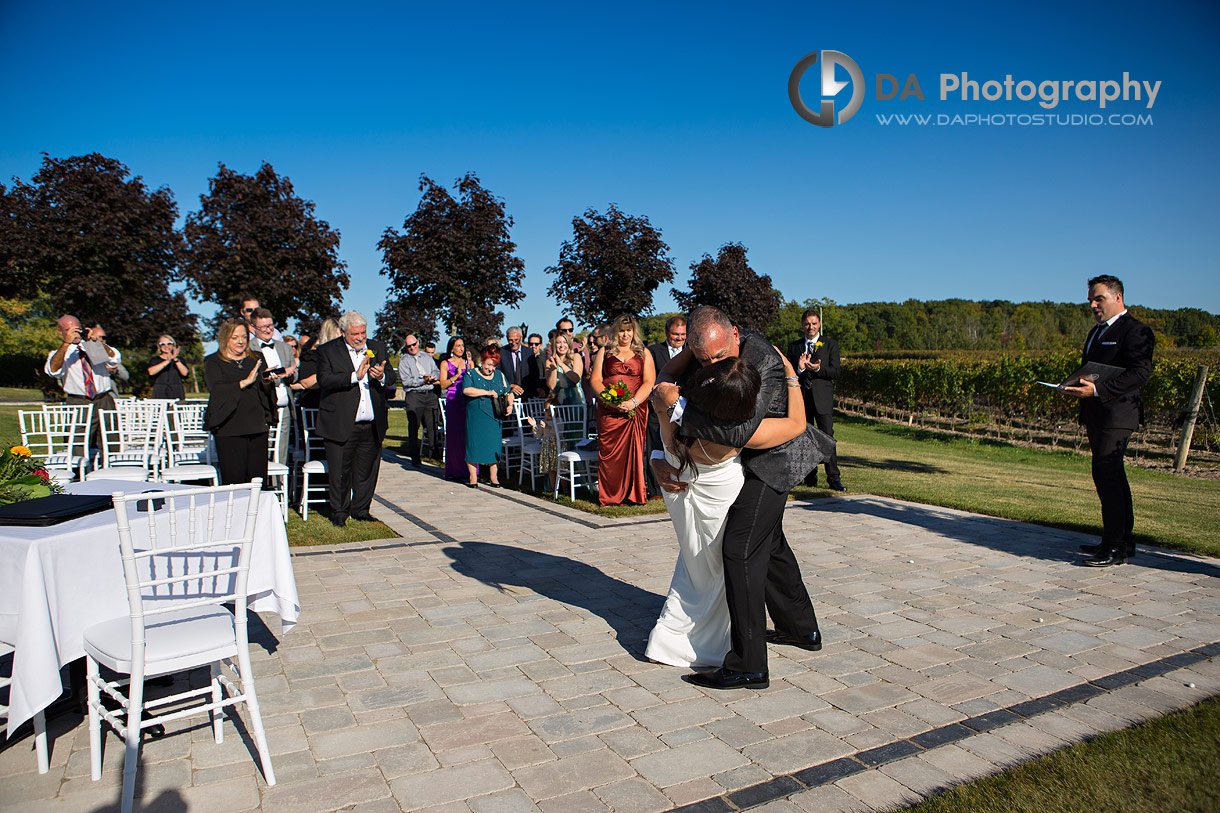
<point x="86" y="236"/>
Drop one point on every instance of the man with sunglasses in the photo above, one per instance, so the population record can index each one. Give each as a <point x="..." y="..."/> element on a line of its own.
<point x="418" y="372"/>
<point x="248" y="306"/>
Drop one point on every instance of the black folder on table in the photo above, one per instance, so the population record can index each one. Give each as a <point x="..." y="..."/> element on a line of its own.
<point x="1091" y="371"/>
<point x="53" y="509"/>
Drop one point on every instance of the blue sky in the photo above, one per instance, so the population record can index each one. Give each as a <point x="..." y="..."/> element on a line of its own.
<point x="675" y="111"/>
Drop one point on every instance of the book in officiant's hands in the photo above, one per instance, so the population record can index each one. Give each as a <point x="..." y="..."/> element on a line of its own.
<point x="1091" y="371"/>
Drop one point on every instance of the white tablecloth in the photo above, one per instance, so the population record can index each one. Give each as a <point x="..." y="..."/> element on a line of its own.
<point x="58" y="580"/>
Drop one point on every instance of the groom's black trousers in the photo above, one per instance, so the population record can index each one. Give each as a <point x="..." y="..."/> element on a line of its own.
<point x="760" y="576"/>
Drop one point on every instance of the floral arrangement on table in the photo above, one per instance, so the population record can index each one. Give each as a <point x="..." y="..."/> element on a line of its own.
<point x="617" y="394"/>
<point x="22" y="477"/>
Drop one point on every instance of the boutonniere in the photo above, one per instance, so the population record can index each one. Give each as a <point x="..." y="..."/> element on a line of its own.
<point x="369" y="353"/>
<point x="817" y="345"/>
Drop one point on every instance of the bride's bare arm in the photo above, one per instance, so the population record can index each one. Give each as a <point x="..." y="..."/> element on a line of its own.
<point x="774" y="431"/>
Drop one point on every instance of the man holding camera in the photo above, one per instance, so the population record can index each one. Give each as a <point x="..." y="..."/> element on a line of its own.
<point x="84" y="364"/>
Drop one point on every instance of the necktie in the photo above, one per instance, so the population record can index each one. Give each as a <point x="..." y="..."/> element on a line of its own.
<point x="812" y="348"/>
<point x="1096" y="335"/>
<point x="517" y="366"/>
<point x="87" y="368"/>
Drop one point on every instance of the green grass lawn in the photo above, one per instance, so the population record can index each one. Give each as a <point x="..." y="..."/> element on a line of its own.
<point x="1049" y="488"/>
<point x="1167" y="764"/>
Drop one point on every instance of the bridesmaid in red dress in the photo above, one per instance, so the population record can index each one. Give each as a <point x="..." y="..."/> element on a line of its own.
<point x="622" y="440"/>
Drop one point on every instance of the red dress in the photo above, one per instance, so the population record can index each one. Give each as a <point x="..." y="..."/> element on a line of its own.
<point x="622" y="441"/>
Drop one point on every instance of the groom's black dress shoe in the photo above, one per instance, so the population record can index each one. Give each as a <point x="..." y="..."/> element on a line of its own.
<point x="1105" y="558"/>
<point x="836" y="485"/>
<point x="812" y="642"/>
<point x="729" y="679"/>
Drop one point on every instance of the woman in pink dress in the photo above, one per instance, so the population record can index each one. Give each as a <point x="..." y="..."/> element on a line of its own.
<point x="622" y="436"/>
<point x="452" y="370"/>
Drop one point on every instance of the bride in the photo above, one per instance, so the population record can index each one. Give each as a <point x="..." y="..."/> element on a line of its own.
<point x="693" y="629"/>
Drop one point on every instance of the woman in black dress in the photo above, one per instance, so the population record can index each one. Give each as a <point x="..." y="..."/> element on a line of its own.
<point x="167" y="371"/>
<point x="239" y="405"/>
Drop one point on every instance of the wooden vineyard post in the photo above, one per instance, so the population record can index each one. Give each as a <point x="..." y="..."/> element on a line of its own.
<point x="1192" y="412"/>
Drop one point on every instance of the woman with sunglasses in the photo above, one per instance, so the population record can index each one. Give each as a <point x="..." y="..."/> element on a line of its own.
<point x="167" y="371"/>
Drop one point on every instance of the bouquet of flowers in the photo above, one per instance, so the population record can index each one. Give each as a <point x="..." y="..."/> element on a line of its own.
<point x="618" y="393"/>
<point x="22" y="477"/>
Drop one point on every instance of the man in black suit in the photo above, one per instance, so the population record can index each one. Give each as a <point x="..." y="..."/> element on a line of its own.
<point x="355" y="382"/>
<point x="761" y="574"/>
<point x="662" y="352"/>
<point x="519" y="366"/>
<point x="816" y="360"/>
<point x="1111" y="410"/>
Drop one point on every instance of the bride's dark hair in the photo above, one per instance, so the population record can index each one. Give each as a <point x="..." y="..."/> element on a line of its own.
<point x="726" y="390"/>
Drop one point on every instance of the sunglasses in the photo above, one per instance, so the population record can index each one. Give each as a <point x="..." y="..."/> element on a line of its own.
<point x="165" y="344"/>
<point x="535" y="344"/>
<point x="413" y="344"/>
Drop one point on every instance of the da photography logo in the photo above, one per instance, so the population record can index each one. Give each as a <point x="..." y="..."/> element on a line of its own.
<point x="830" y="88"/>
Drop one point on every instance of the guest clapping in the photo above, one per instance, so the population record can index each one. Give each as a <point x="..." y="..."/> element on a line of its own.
<point x="167" y="371"/>
<point x="562" y="370"/>
<point x="484" y="437"/>
<point x="622" y="428"/>
<point x="452" y="369"/>
<point x="239" y="405"/>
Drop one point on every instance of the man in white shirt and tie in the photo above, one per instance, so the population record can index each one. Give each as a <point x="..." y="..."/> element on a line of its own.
<point x="355" y="382"/>
<point x="84" y="380"/>
<point x="518" y="365"/>
<point x="277" y="353"/>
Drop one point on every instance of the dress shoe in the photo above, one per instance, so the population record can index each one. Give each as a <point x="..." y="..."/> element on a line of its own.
<point x="1090" y="549"/>
<point x="836" y="485"/>
<point x="365" y="517"/>
<point x="472" y="485"/>
<point x="729" y="679"/>
<point x="339" y="521"/>
<point x="1105" y="558"/>
<point x="495" y="485"/>
<point x="811" y="642"/>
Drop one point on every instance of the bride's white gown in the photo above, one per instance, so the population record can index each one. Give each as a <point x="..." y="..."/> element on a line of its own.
<point x="693" y="629"/>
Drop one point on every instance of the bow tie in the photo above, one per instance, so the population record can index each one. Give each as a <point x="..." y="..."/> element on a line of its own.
<point x="268" y="344"/>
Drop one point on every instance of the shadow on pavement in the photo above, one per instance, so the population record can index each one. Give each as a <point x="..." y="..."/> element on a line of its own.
<point x="629" y="610"/>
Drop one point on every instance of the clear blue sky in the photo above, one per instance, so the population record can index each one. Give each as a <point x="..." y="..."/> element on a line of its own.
<point x="676" y="111"/>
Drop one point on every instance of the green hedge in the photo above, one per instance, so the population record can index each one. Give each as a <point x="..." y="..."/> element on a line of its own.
<point x="1007" y="385"/>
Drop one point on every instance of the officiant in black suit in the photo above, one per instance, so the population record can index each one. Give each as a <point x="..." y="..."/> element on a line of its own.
<point x="816" y="360"/>
<point x="520" y="366"/>
<point x="1111" y="411"/>
<point x="355" y="381"/>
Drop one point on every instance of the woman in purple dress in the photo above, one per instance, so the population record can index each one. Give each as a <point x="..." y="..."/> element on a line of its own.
<point x="453" y="368"/>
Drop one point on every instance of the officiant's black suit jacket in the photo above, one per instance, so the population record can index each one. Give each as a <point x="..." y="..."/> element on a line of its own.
<point x="1128" y="343"/>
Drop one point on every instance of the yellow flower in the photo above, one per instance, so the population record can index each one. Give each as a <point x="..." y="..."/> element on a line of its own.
<point x="369" y="352"/>
<point x="19" y="451"/>
<point x="817" y="346"/>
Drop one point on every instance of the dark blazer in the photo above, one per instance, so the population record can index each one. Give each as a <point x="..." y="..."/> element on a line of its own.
<point x="817" y="385"/>
<point x="233" y="411"/>
<point x="1127" y="343"/>
<point x="340" y="397"/>
<point x="660" y="357"/>
<point x="530" y="378"/>
<point x="780" y="467"/>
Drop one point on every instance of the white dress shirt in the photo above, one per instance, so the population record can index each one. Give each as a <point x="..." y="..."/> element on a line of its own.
<point x="364" y="412"/>
<point x="72" y="377"/>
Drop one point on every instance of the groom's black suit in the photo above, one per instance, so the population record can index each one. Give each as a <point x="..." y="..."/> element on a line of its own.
<point x="761" y="574"/>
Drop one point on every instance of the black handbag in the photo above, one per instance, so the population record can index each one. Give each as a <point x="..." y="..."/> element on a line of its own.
<point x="499" y="403"/>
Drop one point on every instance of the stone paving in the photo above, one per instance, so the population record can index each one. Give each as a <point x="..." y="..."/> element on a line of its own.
<point x="490" y="660"/>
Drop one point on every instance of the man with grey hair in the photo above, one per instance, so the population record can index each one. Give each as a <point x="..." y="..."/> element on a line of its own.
<point x="418" y="372"/>
<point x="84" y="365"/>
<point x="355" y="382"/>
<point x="519" y="366"/>
<point x="761" y="574"/>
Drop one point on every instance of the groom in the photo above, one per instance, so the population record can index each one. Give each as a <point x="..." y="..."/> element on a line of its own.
<point x="760" y="572"/>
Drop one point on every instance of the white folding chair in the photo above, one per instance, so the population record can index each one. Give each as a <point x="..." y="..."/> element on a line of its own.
<point x="190" y="450"/>
<point x="67" y="431"/>
<point x="40" y="720"/>
<point x="434" y="440"/>
<point x="438" y="450"/>
<point x="531" y="447"/>
<point x="33" y="426"/>
<point x="511" y="438"/>
<point x="314" y="463"/>
<point x="277" y="472"/>
<point x="576" y="466"/>
<point x="129" y="446"/>
<point x="182" y="561"/>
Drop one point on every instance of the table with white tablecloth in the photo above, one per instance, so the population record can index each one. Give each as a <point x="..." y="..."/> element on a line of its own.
<point x="56" y="581"/>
